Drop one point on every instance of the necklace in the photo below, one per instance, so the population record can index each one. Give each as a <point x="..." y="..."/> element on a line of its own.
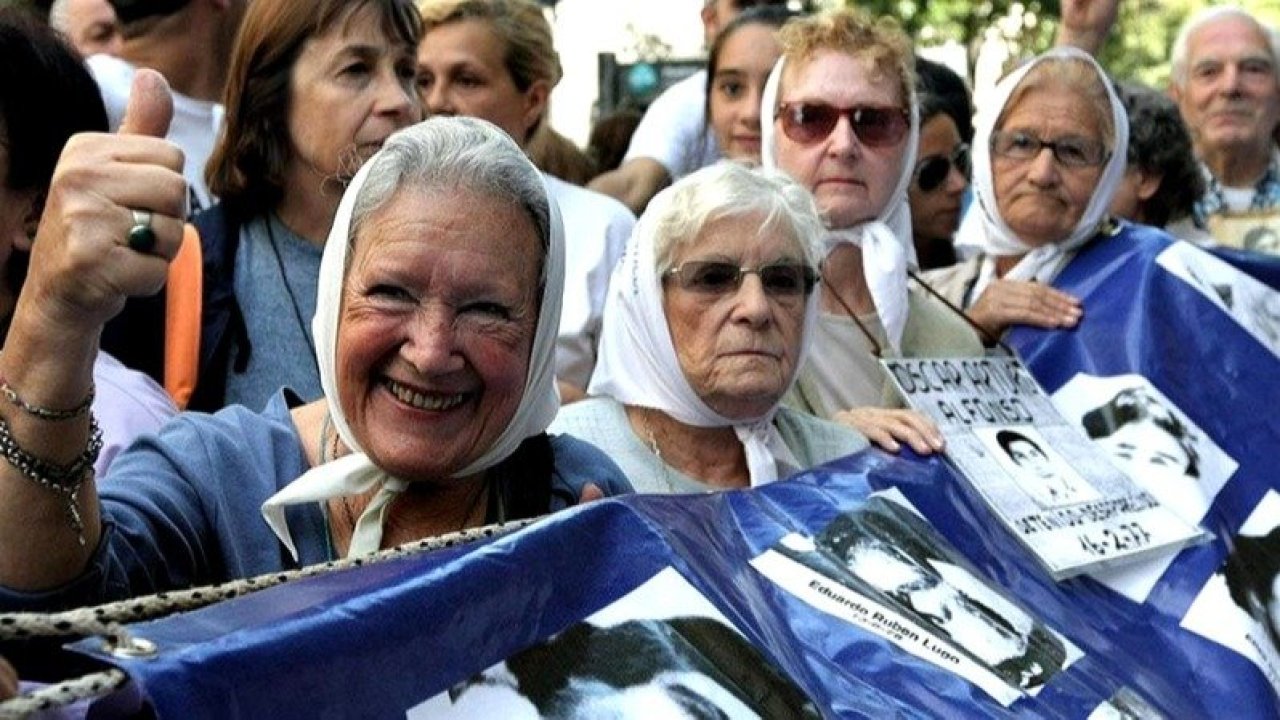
<point x="875" y="344"/>
<point x="293" y="297"/>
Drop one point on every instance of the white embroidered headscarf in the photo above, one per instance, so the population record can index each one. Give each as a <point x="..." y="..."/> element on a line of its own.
<point x="888" y="249"/>
<point x="457" y="147"/>
<point x="984" y="230"/>
<point x="636" y="361"/>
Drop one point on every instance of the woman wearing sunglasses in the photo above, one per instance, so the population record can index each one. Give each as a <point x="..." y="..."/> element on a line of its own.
<point x="708" y="317"/>
<point x="941" y="175"/>
<point x="843" y="123"/>
<point x="1053" y="155"/>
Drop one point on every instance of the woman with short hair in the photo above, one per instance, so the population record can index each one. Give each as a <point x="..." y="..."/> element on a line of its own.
<point x="709" y="318"/>
<point x="843" y="122"/>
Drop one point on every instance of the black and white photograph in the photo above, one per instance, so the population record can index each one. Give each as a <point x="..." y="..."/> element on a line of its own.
<point x="1239" y="607"/>
<point x="1035" y="466"/>
<point x="1251" y="303"/>
<point x="1149" y="438"/>
<point x="1157" y="446"/>
<point x="887" y="552"/>
<point x="663" y="651"/>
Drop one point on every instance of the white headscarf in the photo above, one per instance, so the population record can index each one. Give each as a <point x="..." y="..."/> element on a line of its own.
<point x="355" y="473"/>
<point x="984" y="230"/>
<point x="637" y="364"/>
<point x="887" y="245"/>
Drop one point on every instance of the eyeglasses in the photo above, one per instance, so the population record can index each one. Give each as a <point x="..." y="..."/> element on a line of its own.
<point x="1070" y="150"/>
<point x="711" y="277"/>
<point x="932" y="172"/>
<point x="876" y="127"/>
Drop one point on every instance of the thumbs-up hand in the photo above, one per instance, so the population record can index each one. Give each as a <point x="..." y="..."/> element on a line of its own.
<point x="112" y="219"/>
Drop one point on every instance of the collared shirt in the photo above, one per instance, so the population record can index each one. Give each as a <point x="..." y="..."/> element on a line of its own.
<point x="1220" y="200"/>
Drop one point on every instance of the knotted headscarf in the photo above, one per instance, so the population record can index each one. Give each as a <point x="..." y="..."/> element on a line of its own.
<point x="886" y="241"/>
<point x="985" y="230"/>
<point x="355" y="473"/>
<point x="637" y="363"/>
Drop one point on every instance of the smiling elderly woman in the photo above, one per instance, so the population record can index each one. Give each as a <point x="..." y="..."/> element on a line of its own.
<point x="435" y="325"/>
<point x="1053" y="143"/>
<point x="707" y="320"/>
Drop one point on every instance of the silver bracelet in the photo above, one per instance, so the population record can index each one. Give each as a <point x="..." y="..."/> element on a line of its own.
<point x="65" y="480"/>
<point x="45" y="413"/>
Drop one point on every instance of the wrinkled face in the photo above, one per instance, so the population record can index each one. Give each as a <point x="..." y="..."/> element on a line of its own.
<point x="737" y="349"/>
<point x="851" y="182"/>
<point x="438" y="314"/>
<point x="1230" y="98"/>
<point x="461" y="71"/>
<point x="349" y="90"/>
<point x="746" y="58"/>
<point x="92" y="27"/>
<point x="1041" y="199"/>
<point x="935" y="213"/>
<point x="1145" y="450"/>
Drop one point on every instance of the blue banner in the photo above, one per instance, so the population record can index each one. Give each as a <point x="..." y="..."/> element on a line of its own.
<point x="875" y="586"/>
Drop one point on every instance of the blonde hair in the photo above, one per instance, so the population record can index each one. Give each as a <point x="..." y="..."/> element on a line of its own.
<point x="879" y="40"/>
<point x="1076" y="76"/>
<point x="530" y="50"/>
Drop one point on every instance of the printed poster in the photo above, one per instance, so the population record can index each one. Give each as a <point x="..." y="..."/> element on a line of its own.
<point x="1065" y="502"/>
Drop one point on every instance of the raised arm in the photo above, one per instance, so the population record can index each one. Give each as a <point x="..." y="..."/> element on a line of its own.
<point x="1087" y="23"/>
<point x="82" y="269"/>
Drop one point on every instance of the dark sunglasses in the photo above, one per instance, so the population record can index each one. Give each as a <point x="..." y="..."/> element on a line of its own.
<point x="932" y="172"/>
<point x="711" y="277"/>
<point x="808" y="122"/>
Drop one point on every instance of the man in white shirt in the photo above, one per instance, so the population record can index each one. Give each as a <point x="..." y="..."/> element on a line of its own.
<point x="189" y="42"/>
<point x="1224" y="80"/>
<point x="673" y="139"/>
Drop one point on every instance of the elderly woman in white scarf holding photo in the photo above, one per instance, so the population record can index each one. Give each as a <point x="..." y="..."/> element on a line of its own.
<point x="1050" y="151"/>
<point x="435" y="328"/>
<point x="709" y="315"/>
<point x="841" y="119"/>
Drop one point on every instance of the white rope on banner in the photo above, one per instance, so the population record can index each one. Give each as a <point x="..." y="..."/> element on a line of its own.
<point x="106" y="620"/>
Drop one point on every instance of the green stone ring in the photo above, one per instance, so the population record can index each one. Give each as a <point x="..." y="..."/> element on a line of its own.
<point x="141" y="237"/>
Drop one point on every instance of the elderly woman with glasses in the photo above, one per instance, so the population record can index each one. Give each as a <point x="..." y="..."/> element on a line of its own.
<point x="1053" y="146"/>
<point x="439" y="299"/>
<point x="709" y="316"/>
<point x="843" y="122"/>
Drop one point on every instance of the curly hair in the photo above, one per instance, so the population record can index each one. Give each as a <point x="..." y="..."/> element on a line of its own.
<point x="1160" y="144"/>
<point x="879" y="40"/>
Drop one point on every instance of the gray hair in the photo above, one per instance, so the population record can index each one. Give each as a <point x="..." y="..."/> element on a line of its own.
<point x="59" y="16"/>
<point x="456" y="153"/>
<point x="729" y="189"/>
<point x="1208" y="16"/>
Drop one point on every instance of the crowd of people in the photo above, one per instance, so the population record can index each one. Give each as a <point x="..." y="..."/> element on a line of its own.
<point x="282" y="282"/>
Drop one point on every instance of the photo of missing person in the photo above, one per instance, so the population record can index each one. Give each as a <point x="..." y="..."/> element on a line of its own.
<point x="1252" y="574"/>
<point x="1148" y="438"/>
<point x="689" y="667"/>
<point x="1251" y="303"/>
<point x="1035" y="467"/>
<point x="661" y="651"/>
<point x="886" y="550"/>
<point x="1239" y="606"/>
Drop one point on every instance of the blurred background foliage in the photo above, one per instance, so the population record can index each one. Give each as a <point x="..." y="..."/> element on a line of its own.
<point x="1138" y="48"/>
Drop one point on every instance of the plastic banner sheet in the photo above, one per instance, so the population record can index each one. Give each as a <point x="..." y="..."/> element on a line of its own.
<point x="875" y="586"/>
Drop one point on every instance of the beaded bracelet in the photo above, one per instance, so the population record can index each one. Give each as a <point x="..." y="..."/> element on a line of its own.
<point x="65" y="480"/>
<point x="45" y="413"/>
